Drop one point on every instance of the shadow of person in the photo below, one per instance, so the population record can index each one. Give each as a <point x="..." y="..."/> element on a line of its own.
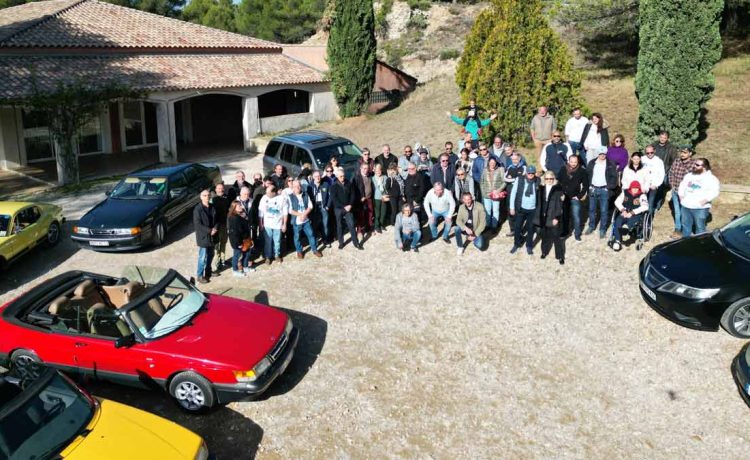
<point x="228" y="433"/>
<point x="312" y="337"/>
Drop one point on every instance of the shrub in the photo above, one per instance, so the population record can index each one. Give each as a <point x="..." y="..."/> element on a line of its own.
<point x="449" y="53"/>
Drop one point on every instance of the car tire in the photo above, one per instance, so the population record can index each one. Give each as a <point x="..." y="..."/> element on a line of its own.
<point x="24" y="363"/>
<point x="192" y="392"/>
<point x="736" y="319"/>
<point x="160" y="233"/>
<point x="53" y="234"/>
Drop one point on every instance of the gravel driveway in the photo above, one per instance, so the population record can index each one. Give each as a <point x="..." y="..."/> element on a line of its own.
<point x="434" y="356"/>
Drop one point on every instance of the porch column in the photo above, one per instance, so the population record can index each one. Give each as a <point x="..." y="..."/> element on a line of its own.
<point x="167" y="133"/>
<point x="250" y="122"/>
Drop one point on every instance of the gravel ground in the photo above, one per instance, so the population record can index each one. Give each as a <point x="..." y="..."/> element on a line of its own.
<point x="434" y="356"/>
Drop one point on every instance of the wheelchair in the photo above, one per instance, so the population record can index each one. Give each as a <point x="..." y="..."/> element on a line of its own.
<point x="639" y="234"/>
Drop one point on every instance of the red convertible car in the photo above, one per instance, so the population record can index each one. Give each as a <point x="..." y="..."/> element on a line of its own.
<point x="152" y="328"/>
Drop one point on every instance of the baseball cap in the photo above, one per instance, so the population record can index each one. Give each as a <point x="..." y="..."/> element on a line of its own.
<point x="602" y="150"/>
<point x="687" y="147"/>
<point x="530" y="169"/>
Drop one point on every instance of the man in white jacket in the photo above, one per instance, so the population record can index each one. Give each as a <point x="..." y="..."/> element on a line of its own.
<point x="697" y="190"/>
<point x="655" y="167"/>
<point x="439" y="203"/>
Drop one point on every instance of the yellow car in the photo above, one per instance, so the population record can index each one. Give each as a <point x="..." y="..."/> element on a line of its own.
<point x="48" y="417"/>
<point x="24" y="226"/>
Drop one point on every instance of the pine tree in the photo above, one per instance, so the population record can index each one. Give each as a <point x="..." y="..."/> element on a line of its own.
<point x="351" y="55"/>
<point x="285" y="21"/>
<point x="679" y="46"/>
<point x="218" y="14"/>
<point x="513" y="63"/>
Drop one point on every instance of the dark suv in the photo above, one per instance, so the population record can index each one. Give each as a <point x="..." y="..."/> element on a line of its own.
<point x="315" y="147"/>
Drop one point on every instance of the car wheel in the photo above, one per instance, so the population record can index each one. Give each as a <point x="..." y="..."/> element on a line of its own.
<point x="192" y="392"/>
<point x="25" y="364"/>
<point x="53" y="234"/>
<point x="160" y="230"/>
<point x="736" y="319"/>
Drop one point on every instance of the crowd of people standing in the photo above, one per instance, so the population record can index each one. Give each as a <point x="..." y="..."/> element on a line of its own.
<point x="472" y="192"/>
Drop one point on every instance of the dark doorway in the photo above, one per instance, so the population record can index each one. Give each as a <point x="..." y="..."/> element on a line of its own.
<point x="213" y="119"/>
<point x="283" y="102"/>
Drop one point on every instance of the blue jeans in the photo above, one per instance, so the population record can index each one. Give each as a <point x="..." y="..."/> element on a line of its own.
<point x="205" y="257"/>
<point x="524" y="219"/>
<point x="446" y="227"/>
<point x="653" y="198"/>
<point x="692" y="217"/>
<point x="478" y="241"/>
<point x="320" y="217"/>
<point x="492" y="208"/>
<point x="412" y="237"/>
<point x="239" y="259"/>
<point x="577" y="147"/>
<point x="620" y="221"/>
<point x="677" y="211"/>
<point x="599" y="196"/>
<point x="576" y="207"/>
<point x="272" y="243"/>
<point x="307" y="228"/>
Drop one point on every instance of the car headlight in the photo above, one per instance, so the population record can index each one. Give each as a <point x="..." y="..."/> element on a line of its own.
<point x="81" y="230"/>
<point x="202" y="453"/>
<point x="127" y="231"/>
<point x="687" y="291"/>
<point x="254" y="373"/>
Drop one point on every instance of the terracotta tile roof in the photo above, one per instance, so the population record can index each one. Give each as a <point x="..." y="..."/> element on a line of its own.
<point x="95" y="24"/>
<point x="154" y="72"/>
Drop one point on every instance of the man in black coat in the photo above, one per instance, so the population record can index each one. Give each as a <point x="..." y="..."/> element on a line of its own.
<point x="343" y="197"/>
<point x="204" y="221"/>
<point x="444" y="172"/>
<point x="414" y="189"/>
<point x="239" y="182"/>
<point x="220" y="202"/>
<point x="574" y="180"/>
<point x="602" y="185"/>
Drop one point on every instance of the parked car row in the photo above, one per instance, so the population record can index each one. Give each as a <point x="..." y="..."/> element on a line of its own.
<point x="703" y="282"/>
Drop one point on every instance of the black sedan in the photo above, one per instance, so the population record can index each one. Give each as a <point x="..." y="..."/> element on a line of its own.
<point x="702" y="282"/>
<point x="144" y="206"/>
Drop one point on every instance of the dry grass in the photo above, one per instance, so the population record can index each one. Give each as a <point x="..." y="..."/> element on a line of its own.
<point x="729" y="121"/>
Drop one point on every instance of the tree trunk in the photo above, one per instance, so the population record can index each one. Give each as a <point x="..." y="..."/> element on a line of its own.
<point x="67" y="163"/>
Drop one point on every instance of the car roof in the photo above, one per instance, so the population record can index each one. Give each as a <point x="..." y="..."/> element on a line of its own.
<point x="12" y="207"/>
<point x="160" y="170"/>
<point x="310" y="139"/>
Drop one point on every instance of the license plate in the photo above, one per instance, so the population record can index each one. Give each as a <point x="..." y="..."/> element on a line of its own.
<point x="99" y="243"/>
<point x="648" y="291"/>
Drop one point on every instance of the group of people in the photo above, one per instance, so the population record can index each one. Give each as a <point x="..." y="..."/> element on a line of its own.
<point x="472" y="192"/>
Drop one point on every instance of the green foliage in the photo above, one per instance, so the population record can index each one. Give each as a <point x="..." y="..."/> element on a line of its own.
<point x="381" y="21"/>
<point x="417" y="20"/>
<point x="219" y="14"/>
<point x="513" y="62"/>
<point x="395" y="50"/>
<point x="351" y="55"/>
<point x="449" y="53"/>
<point x="285" y="21"/>
<point x="169" y="8"/>
<point x="419" y="4"/>
<point x="68" y="108"/>
<point x="679" y="46"/>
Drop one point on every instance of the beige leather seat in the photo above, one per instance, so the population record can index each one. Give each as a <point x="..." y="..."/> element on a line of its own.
<point x="88" y="293"/>
<point x="122" y="294"/>
<point x="103" y="320"/>
<point x="66" y="311"/>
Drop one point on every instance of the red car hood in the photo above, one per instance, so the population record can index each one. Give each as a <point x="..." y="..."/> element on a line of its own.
<point x="231" y="333"/>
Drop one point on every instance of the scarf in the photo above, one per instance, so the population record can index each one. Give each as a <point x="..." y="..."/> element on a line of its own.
<point x="529" y="190"/>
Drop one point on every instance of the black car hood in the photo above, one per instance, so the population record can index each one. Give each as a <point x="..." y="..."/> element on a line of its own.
<point x="700" y="262"/>
<point x="114" y="213"/>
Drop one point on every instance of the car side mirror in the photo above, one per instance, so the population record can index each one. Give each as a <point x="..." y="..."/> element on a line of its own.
<point x="124" y="342"/>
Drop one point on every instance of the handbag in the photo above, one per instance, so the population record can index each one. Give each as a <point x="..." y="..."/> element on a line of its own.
<point x="247" y="244"/>
<point x="497" y="196"/>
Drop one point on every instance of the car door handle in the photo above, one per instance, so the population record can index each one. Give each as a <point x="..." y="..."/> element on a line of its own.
<point x="80" y="344"/>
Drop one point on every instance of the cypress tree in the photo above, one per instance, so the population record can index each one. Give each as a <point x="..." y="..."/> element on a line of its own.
<point x="514" y="62"/>
<point x="351" y="55"/>
<point x="679" y="46"/>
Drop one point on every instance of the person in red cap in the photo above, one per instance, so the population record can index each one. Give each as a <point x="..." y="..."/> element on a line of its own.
<point x="631" y="203"/>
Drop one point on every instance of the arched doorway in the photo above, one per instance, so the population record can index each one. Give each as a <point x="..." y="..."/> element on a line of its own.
<point x="208" y="124"/>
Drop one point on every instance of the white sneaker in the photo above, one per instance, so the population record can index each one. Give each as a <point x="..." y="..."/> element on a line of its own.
<point x="459" y="251"/>
<point x="238" y="274"/>
<point x="248" y="269"/>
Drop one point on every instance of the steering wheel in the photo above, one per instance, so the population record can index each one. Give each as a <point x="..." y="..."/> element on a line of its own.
<point x="176" y="299"/>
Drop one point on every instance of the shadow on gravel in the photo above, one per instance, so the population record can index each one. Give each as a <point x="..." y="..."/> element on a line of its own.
<point x="312" y="337"/>
<point x="38" y="261"/>
<point x="228" y="433"/>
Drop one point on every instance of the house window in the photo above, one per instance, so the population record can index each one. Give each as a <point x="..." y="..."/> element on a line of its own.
<point x="139" y="124"/>
<point x="90" y="138"/>
<point x="283" y="102"/>
<point x="37" y="139"/>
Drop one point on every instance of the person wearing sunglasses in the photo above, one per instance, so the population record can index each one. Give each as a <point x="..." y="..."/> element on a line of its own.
<point x="523" y="204"/>
<point x="680" y="168"/>
<point x="463" y="184"/>
<point x="409" y="156"/>
<point x="549" y="217"/>
<point x="696" y="192"/>
<point x="555" y="154"/>
<point x="444" y="172"/>
<point x="618" y="153"/>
